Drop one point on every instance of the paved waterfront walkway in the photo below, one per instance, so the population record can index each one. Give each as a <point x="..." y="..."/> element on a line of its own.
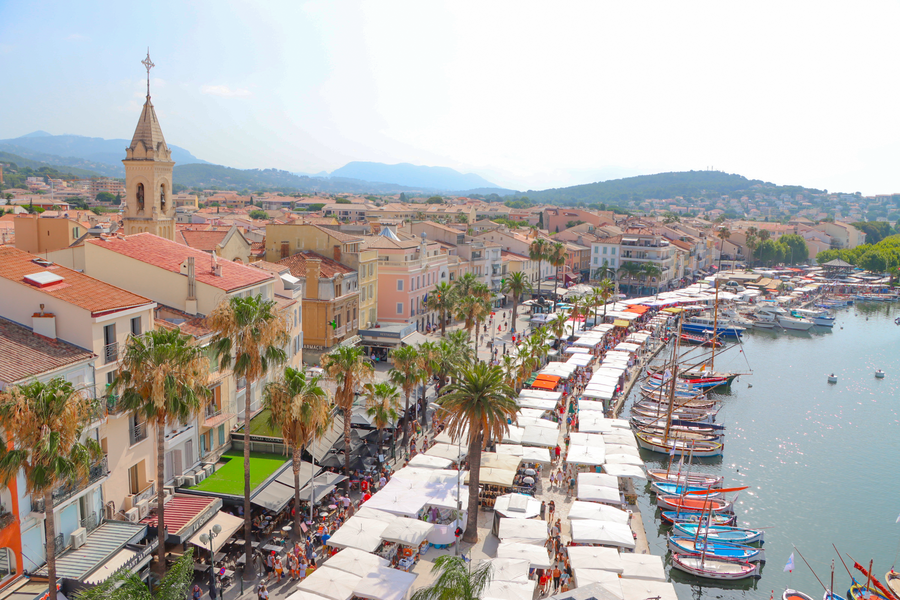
<point x="486" y="547"/>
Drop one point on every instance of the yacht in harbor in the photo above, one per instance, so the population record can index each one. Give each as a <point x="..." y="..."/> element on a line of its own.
<point x="776" y="314"/>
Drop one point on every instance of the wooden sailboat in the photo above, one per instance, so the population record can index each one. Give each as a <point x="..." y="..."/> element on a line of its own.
<point x="721" y="533"/>
<point x="892" y="579"/>
<point x="716" y="549"/>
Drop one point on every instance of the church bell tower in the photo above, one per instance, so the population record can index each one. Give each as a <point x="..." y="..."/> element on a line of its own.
<point x="148" y="175"/>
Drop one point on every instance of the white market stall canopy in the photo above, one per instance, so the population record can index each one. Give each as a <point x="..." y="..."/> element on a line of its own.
<point x="588" y="557"/>
<point x="385" y="584"/>
<point x="304" y="595"/>
<point x="588" y="405"/>
<point x="586" y="455"/>
<point x="529" y="421"/>
<point x="639" y="589"/>
<point x="517" y="506"/>
<point x="643" y="566"/>
<point x="599" y="393"/>
<point x="625" y="471"/>
<point x="452" y="452"/>
<point x="598" y="512"/>
<point x="526" y="453"/>
<point x="627" y="347"/>
<point x="508" y="569"/>
<point x="331" y="583"/>
<point x="541" y="394"/>
<point x="606" y="580"/>
<point x="616" y="438"/>
<point x="621" y="449"/>
<point x="444" y="437"/>
<point x="356" y="561"/>
<point x="593" y="422"/>
<point x="576" y="350"/>
<point x="537" y="556"/>
<point x="540" y="436"/>
<point x="580" y="360"/>
<point x="537" y="403"/>
<point x="493" y="460"/>
<point x="599" y="479"/>
<point x="489" y="476"/>
<point x="509" y="590"/>
<point x="577" y="438"/>
<point x="523" y="531"/>
<point x="409" y="532"/>
<point x="514" y="435"/>
<point x="596" y="493"/>
<point x="586" y="531"/>
<point x="429" y="462"/>
<point x="531" y="413"/>
<point x="357" y="532"/>
<point x="367" y="512"/>
<point x="511" y="449"/>
<point x="624" y="459"/>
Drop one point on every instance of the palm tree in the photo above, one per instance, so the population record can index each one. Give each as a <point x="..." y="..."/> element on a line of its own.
<point x="163" y="378"/>
<point x="631" y="269"/>
<point x="604" y="272"/>
<point x="300" y="410"/>
<point x="457" y="581"/>
<point x="752" y="241"/>
<point x="469" y="309"/>
<point x="44" y="423"/>
<point x="348" y="368"/>
<point x="465" y="284"/>
<point x="406" y="374"/>
<point x="558" y="325"/>
<point x="250" y="338"/>
<point x="605" y="291"/>
<point x="723" y="234"/>
<point x="557" y="258"/>
<point x="382" y="402"/>
<point x="481" y="401"/>
<point x="453" y="351"/>
<point x="537" y="250"/>
<point x="125" y="585"/>
<point x="515" y="285"/>
<point x="483" y="294"/>
<point x="442" y="299"/>
<point x="651" y="271"/>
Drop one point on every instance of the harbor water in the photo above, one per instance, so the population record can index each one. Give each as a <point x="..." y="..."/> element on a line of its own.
<point x="821" y="461"/>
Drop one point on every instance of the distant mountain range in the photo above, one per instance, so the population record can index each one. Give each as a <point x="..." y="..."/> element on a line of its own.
<point x="415" y="176"/>
<point x="96" y="154"/>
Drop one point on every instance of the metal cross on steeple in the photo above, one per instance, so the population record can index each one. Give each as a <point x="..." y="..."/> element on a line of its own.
<point x="149" y="65"/>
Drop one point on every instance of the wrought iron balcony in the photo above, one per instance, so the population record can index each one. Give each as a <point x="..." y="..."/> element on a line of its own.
<point x="138" y="433"/>
<point x="111" y="353"/>
<point x="98" y="471"/>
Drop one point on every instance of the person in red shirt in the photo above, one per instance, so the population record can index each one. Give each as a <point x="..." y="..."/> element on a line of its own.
<point x="363" y="485"/>
<point x="366" y="496"/>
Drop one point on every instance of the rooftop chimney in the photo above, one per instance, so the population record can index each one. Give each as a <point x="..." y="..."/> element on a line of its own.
<point x="313" y="268"/>
<point x="337" y="253"/>
<point x="44" y="324"/>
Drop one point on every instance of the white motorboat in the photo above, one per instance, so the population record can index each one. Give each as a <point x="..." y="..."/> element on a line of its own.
<point x="879" y="374"/>
<point x="832" y="378"/>
<point x="783" y="319"/>
<point x="818" y="317"/>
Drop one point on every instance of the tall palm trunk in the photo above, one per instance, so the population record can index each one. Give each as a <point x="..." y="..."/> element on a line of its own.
<point x="248" y="530"/>
<point x="406" y="434"/>
<point x="51" y="540"/>
<point x="160" y="496"/>
<point x="297" y="459"/>
<point x="471" y="533"/>
<point x="555" y="288"/>
<point x="443" y="323"/>
<point x="540" y="262"/>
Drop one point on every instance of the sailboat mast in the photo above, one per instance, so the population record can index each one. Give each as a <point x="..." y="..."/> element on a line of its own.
<point x="712" y="362"/>
<point x="672" y="386"/>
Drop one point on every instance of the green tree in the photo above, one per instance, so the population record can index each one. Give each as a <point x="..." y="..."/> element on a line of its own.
<point x="407" y="374"/>
<point x="125" y="585"/>
<point x="44" y="423"/>
<point x="250" y="338"/>
<point x="259" y="214"/>
<point x="605" y="291"/>
<point x="797" y="250"/>
<point x="770" y="251"/>
<point x="105" y="197"/>
<point x="453" y="352"/>
<point x="162" y="377"/>
<point x="456" y="580"/>
<point x="300" y="410"/>
<point x="342" y="201"/>
<point x="435" y="200"/>
<point x="442" y="299"/>
<point x="516" y="284"/>
<point x="557" y="257"/>
<point x="723" y="233"/>
<point x="347" y="367"/>
<point x="382" y="402"/>
<point x="481" y="402"/>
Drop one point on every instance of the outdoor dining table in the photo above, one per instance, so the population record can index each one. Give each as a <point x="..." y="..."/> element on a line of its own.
<point x="272" y="548"/>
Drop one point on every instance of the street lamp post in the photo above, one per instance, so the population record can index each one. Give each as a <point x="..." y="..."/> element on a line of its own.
<point x="207" y="538"/>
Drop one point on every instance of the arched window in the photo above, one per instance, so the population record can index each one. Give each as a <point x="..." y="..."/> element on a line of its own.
<point x="140" y="196"/>
<point x="162" y="197"/>
<point x="7" y="563"/>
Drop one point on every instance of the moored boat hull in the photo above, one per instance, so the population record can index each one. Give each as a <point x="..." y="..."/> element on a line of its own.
<point x="703" y="480"/>
<point x="698" y="504"/>
<point x="719" y="550"/>
<point x="720" y="533"/>
<point x="727" y="570"/>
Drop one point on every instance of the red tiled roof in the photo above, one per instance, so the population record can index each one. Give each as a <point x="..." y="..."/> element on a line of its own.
<point x="24" y="354"/>
<point x="75" y="288"/>
<point x="297" y="265"/>
<point x="165" y="254"/>
<point x="202" y="240"/>
<point x="180" y="511"/>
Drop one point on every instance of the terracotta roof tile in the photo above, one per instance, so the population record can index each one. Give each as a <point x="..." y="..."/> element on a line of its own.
<point x="202" y="240"/>
<point x="169" y="255"/>
<point x="75" y="288"/>
<point x="24" y="354"/>
<point x="329" y="268"/>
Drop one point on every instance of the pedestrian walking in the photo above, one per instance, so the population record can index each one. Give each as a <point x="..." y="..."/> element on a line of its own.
<point x="543" y="510"/>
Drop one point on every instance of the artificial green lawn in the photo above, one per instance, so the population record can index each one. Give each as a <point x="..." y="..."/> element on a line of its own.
<point x="229" y="478"/>
<point x="259" y="425"/>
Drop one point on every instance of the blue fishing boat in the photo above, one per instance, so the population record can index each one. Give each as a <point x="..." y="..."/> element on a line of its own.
<point x="721" y="550"/>
<point x="706" y="325"/>
<point x="720" y="533"/>
<point x="670" y="517"/>
<point x="674" y="489"/>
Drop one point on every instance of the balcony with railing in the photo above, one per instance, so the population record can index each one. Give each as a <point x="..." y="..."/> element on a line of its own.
<point x="114" y="404"/>
<point x="340" y="331"/>
<point x="110" y="353"/>
<point x="96" y="472"/>
<point x="138" y="433"/>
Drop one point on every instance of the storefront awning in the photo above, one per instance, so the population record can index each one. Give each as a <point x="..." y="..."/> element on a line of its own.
<point x="621" y="323"/>
<point x="229" y="524"/>
<point x="275" y="496"/>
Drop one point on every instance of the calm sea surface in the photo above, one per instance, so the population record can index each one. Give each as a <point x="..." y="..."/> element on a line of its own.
<point x="822" y="461"/>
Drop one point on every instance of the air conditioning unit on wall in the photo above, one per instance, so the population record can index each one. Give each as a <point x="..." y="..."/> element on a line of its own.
<point x="133" y="515"/>
<point x="79" y="537"/>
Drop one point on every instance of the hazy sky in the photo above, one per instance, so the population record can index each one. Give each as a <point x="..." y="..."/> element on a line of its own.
<point x="528" y="95"/>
